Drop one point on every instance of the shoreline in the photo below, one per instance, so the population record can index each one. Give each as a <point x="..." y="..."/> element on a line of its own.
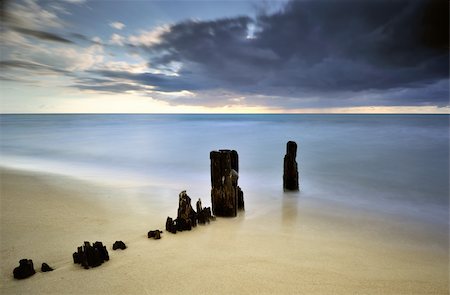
<point x="300" y="245"/>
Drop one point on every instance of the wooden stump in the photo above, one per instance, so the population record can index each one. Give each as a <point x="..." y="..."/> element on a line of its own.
<point x="186" y="217"/>
<point x="24" y="270"/>
<point x="91" y="256"/>
<point x="290" y="175"/>
<point x="226" y="196"/>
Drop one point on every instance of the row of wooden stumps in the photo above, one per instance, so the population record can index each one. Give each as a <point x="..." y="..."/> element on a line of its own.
<point x="226" y="198"/>
<point x="226" y="195"/>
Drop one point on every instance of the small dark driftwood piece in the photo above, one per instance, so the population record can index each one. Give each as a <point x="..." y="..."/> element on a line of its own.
<point x="187" y="217"/>
<point x="45" y="267"/>
<point x="119" y="245"/>
<point x="171" y="225"/>
<point x="91" y="256"/>
<point x="290" y="175"/>
<point x="24" y="270"/>
<point x="156" y="234"/>
<point x="226" y="196"/>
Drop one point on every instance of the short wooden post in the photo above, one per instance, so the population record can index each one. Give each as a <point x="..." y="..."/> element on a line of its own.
<point x="290" y="175"/>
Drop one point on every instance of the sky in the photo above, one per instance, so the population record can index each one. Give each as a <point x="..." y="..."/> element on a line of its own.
<point x="255" y="56"/>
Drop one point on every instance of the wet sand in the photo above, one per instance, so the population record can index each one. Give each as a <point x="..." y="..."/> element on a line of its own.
<point x="285" y="246"/>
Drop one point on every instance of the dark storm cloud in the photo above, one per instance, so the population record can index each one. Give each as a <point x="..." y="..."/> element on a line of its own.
<point x="335" y="46"/>
<point x="216" y="52"/>
<point x="321" y="49"/>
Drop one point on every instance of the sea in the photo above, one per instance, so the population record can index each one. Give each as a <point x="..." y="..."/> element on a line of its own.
<point x="394" y="164"/>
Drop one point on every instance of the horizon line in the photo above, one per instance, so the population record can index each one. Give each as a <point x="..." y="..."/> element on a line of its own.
<point x="200" y="113"/>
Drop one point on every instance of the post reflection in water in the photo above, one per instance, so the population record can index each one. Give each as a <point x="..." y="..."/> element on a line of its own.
<point x="290" y="202"/>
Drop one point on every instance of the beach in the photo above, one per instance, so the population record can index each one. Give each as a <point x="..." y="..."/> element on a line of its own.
<point x="371" y="215"/>
<point x="289" y="245"/>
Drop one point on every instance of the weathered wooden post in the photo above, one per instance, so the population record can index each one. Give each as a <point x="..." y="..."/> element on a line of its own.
<point x="226" y="196"/>
<point x="290" y="175"/>
<point x="186" y="217"/>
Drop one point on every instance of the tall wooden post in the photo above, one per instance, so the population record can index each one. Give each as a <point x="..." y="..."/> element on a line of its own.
<point x="226" y="196"/>
<point x="290" y="175"/>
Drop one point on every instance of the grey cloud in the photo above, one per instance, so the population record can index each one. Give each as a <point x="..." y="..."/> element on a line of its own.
<point x="30" y="19"/>
<point x="307" y="54"/>
<point x="108" y="88"/>
<point x="104" y="85"/>
<point x="93" y="80"/>
<point x="322" y="49"/>
<point x="81" y="37"/>
<point x="27" y="65"/>
<point x="43" y="35"/>
<point x="86" y="39"/>
<point x="159" y="81"/>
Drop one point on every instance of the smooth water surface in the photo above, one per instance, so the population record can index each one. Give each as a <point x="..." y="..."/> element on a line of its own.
<point x="392" y="163"/>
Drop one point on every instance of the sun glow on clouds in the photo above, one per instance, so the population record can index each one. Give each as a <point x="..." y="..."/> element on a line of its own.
<point x="145" y="38"/>
<point x="117" y="25"/>
<point x="136" y="68"/>
<point x="116" y="39"/>
<point x="149" y="37"/>
<point x="130" y="103"/>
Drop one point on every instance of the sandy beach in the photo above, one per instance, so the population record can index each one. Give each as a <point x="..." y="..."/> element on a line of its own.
<point x="289" y="246"/>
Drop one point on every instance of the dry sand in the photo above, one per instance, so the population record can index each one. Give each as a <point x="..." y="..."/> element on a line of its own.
<point x="289" y="246"/>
